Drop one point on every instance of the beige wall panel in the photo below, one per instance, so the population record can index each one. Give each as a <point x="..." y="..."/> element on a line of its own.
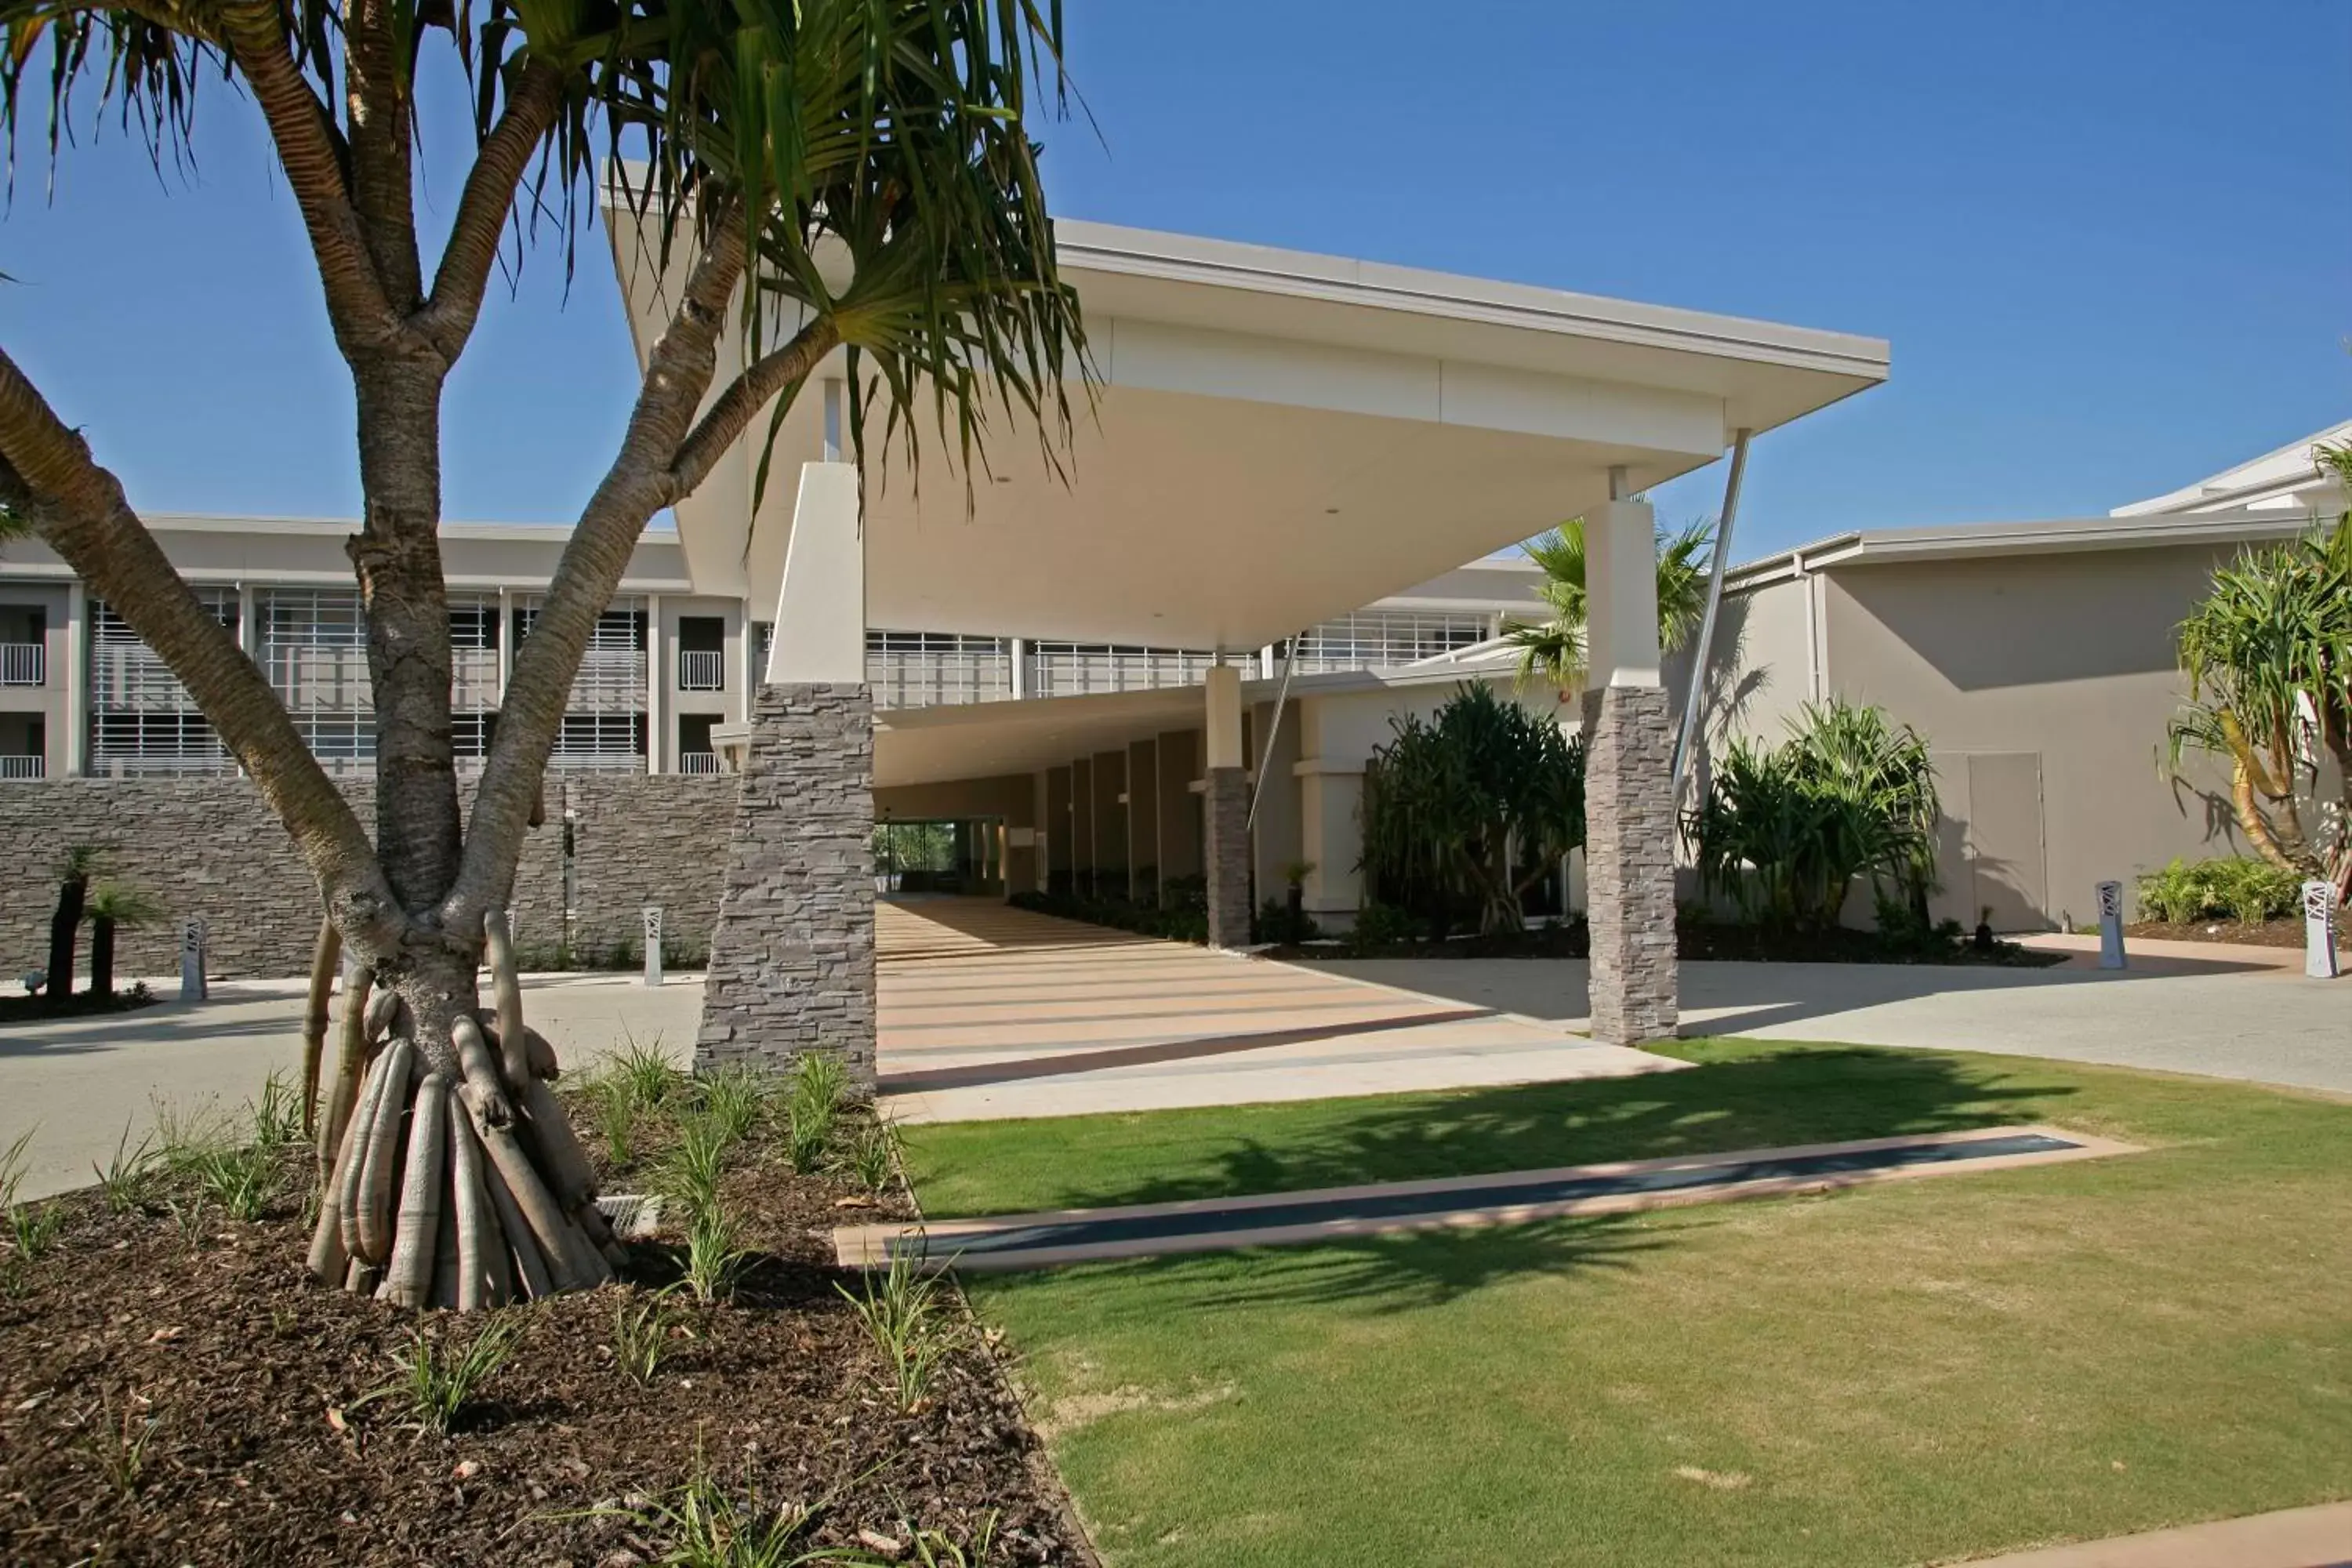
<point x="2067" y="656"/>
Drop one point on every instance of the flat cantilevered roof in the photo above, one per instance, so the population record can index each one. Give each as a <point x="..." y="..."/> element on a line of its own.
<point x="1277" y="438"/>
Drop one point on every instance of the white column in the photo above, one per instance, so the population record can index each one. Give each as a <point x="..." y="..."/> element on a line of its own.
<point x="1223" y="690"/>
<point x="1020" y="667"/>
<point x="657" y="680"/>
<point x="821" y="604"/>
<point x="506" y="642"/>
<point x="747" y="668"/>
<point x="1621" y="574"/>
<point x="76" y="682"/>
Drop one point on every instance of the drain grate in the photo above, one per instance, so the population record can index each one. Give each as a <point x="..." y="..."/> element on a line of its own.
<point x="1038" y="1240"/>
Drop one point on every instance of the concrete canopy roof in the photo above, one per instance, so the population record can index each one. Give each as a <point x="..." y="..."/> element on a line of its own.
<point x="1278" y="438"/>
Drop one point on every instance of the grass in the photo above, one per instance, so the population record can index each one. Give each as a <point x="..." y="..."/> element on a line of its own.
<point x="437" y="1382"/>
<point x="1898" y="1374"/>
<point x="911" y="1325"/>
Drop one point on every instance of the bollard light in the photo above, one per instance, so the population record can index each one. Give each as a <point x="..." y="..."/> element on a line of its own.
<point x="653" y="944"/>
<point x="2319" y="930"/>
<point x="192" y="987"/>
<point x="2111" y="926"/>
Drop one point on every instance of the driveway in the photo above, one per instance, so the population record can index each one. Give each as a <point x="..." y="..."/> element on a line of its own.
<point x="2224" y="1016"/>
<point x="988" y="1012"/>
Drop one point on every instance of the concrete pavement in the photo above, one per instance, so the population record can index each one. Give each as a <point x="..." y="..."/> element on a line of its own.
<point x="2225" y="1014"/>
<point x="2318" y="1537"/>
<point x="79" y="1082"/>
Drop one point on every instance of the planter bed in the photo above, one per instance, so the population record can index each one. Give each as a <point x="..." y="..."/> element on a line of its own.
<point x="177" y="1394"/>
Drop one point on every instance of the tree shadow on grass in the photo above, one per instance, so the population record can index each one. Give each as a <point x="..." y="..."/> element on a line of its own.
<point x="1775" y="1098"/>
<point x="1396" y="1272"/>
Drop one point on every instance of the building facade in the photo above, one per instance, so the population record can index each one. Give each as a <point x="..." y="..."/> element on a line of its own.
<point x="81" y="696"/>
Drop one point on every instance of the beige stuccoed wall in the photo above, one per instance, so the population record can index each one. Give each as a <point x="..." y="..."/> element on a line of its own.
<point x="2069" y="658"/>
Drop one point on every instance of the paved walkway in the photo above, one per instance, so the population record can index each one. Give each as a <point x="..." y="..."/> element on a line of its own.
<point x="78" y="1081"/>
<point x="988" y="1012"/>
<point x="2226" y="1012"/>
<point x="2295" y="1538"/>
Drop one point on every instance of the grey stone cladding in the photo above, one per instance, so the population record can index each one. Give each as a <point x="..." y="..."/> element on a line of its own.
<point x="208" y="847"/>
<point x="1225" y="812"/>
<point x="792" y="963"/>
<point x="647" y="839"/>
<point x="1629" y="859"/>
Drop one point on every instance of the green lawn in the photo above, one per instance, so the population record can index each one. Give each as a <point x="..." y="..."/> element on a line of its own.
<point x="1912" y="1372"/>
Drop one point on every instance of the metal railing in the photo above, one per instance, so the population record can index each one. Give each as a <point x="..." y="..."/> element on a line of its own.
<point x="32" y="767"/>
<point x="24" y="663"/>
<point x="697" y="762"/>
<point x="474" y="679"/>
<point x="1065" y="669"/>
<point x="934" y="679"/>
<point x="597" y="761"/>
<point x="701" y="669"/>
<point x="611" y="681"/>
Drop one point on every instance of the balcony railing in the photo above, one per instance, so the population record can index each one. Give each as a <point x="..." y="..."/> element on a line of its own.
<point x="701" y="669"/>
<point x="932" y="679"/>
<point x="474" y="679"/>
<point x="32" y="767"/>
<point x="697" y="762"/>
<point x="1065" y="669"/>
<point x="24" y="663"/>
<point x="597" y="761"/>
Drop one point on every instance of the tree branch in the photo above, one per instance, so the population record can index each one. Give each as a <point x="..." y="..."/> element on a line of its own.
<point x="376" y="118"/>
<point x="448" y="317"/>
<point x="78" y="508"/>
<point x="356" y="304"/>
<point x="750" y="392"/>
<point x="638" y="484"/>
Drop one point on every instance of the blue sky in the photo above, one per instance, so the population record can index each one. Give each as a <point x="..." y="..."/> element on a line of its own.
<point x="2111" y="242"/>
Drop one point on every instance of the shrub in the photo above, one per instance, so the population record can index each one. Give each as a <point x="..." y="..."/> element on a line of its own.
<point x="903" y="1316"/>
<point x="2248" y="891"/>
<point x="642" y="1336"/>
<point x="1385" y="925"/>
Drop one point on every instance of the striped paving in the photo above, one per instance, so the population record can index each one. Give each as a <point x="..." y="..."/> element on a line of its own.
<point x="1211" y="1225"/>
<point x="988" y="1012"/>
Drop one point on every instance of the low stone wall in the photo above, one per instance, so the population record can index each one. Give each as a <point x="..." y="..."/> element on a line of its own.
<point x="639" y="839"/>
<point x="211" y="847"/>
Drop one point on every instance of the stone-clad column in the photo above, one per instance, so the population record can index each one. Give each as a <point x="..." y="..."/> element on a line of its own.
<point x="791" y="961"/>
<point x="1628" y="857"/>
<point x="1224" y="812"/>
<point x="1629" y="833"/>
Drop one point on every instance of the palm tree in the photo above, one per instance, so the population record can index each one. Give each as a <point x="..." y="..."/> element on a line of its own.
<point x="890" y="138"/>
<point x="1553" y="650"/>
<point x="2268" y="655"/>
<point x="74" y="867"/>
<point x="114" y="905"/>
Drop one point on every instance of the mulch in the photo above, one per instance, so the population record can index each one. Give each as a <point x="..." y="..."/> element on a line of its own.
<point x="2260" y="933"/>
<point x="248" y="1383"/>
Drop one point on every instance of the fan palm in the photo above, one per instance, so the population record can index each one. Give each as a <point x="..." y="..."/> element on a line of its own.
<point x="1553" y="650"/>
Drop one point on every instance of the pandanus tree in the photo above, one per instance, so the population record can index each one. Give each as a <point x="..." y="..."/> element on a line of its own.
<point x="2268" y="654"/>
<point x="1472" y="805"/>
<point x="115" y="906"/>
<point x="1553" y="650"/>
<point x="76" y="866"/>
<point x="816" y="173"/>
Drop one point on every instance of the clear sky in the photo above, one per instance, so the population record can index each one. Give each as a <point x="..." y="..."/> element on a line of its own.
<point x="2110" y="240"/>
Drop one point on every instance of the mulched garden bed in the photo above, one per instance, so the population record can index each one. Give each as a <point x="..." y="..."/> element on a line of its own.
<point x="2262" y="933"/>
<point x="1697" y="941"/>
<point x="178" y="1393"/>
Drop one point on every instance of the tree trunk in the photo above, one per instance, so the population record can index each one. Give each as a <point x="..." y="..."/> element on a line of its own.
<point x="453" y="1130"/>
<point x="101" y="957"/>
<point x="65" y="926"/>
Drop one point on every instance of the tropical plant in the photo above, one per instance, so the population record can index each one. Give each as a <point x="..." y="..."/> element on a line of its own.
<point x="853" y="174"/>
<point x="437" y="1381"/>
<point x="75" y="869"/>
<point x="2268" y="654"/>
<point x="2247" y="892"/>
<point x="1786" y="831"/>
<point x="1553" y="650"/>
<point x="1470" y="807"/>
<point x="909" y="1324"/>
<point x="112" y="906"/>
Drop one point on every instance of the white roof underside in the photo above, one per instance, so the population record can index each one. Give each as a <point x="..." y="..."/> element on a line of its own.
<point x="1276" y="438"/>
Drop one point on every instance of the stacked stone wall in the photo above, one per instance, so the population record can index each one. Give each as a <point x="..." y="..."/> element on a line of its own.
<point x="793" y="968"/>
<point x="1629" y="857"/>
<point x="639" y="839"/>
